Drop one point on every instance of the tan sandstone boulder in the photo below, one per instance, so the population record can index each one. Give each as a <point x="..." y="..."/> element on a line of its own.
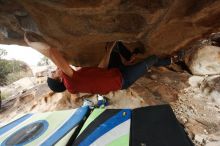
<point x="205" y="61"/>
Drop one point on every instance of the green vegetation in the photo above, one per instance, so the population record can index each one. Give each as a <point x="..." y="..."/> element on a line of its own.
<point x="43" y="61"/>
<point x="5" y="95"/>
<point x="3" y="52"/>
<point x="12" y="70"/>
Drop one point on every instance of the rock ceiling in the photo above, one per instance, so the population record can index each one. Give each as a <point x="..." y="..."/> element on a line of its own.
<point x="80" y="28"/>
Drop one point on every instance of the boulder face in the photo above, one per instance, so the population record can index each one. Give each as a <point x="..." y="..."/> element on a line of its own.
<point x="80" y="29"/>
<point x="205" y="61"/>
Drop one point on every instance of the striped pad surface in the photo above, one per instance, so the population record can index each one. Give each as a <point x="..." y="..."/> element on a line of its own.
<point x="50" y="128"/>
<point x="106" y="127"/>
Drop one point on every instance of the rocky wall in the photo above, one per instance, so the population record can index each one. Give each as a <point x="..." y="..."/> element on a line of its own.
<point x="80" y="28"/>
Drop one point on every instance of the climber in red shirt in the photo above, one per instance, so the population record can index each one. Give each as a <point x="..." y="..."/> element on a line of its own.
<point x="110" y="75"/>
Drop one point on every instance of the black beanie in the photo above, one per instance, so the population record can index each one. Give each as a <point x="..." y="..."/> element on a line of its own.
<point x="55" y="85"/>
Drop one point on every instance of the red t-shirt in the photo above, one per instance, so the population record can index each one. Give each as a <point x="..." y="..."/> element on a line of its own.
<point x="93" y="80"/>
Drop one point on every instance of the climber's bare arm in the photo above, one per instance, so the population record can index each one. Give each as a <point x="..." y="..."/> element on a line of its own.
<point x="41" y="47"/>
<point x="51" y="53"/>
<point x="60" y="62"/>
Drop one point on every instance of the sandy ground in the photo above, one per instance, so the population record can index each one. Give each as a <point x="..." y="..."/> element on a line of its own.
<point x="194" y="99"/>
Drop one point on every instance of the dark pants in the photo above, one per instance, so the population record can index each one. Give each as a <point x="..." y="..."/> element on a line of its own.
<point x="133" y="72"/>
